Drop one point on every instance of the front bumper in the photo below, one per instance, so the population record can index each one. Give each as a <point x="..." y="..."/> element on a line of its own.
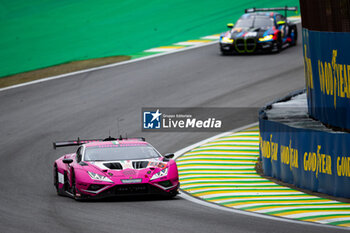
<point x="249" y="45"/>
<point x="140" y="189"/>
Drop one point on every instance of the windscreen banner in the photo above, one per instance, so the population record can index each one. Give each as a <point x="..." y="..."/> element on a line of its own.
<point x="309" y="159"/>
<point x="327" y="73"/>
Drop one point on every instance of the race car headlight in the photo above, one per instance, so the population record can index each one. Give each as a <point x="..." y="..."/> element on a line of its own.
<point x="226" y="40"/>
<point x="160" y="174"/>
<point x="266" y="38"/>
<point x="95" y="176"/>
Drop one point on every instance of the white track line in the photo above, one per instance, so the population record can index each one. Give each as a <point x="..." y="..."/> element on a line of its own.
<point x="162" y="49"/>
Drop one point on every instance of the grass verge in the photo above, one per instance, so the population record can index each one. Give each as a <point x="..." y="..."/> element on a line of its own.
<point x="58" y="69"/>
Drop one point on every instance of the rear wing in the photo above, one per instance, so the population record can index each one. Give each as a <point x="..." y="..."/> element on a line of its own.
<point x="79" y="141"/>
<point x="285" y="9"/>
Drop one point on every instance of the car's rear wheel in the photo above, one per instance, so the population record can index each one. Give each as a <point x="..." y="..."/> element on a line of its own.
<point x="294" y="32"/>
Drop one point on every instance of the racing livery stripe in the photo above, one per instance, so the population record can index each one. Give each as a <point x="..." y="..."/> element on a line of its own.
<point x="223" y="171"/>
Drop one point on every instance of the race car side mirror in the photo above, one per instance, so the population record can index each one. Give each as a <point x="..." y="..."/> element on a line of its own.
<point x="169" y="156"/>
<point x="279" y="23"/>
<point x="230" y="25"/>
<point x="67" y="161"/>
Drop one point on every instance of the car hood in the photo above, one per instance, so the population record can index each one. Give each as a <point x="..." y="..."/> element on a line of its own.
<point x="236" y="33"/>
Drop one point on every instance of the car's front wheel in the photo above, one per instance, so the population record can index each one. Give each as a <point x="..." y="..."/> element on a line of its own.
<point x="173" y="192"/>
<point x="55" y="179"/>
<point x="277" y="46"/>
<point x="74" y="189"/>
<point x="225" y="51"/>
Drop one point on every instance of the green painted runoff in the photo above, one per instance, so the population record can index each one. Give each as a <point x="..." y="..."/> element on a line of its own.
<point x="40" y="33"/>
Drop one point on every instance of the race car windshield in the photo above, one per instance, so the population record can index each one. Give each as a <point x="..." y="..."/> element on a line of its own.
<point x="245" y="23"/>
<point x="263" y="22"/>
<point x="120" y="153"/>
<point x="254" y="22"/>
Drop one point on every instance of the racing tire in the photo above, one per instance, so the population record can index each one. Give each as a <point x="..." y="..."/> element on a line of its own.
<point x="225" y="53"/>
<point x="295" y="38"/>
<point x="55" y="179"/>
<point x="74" y="189"/>
<point x="172" y="194"/>
<point x="277" y="48"/>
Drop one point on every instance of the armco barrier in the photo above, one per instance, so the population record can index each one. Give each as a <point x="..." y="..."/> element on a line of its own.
<point x="309" y="159"/>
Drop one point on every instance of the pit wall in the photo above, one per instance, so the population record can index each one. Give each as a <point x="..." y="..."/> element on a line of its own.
<point x="309" y="159"/>
<point x="326" y="50"/>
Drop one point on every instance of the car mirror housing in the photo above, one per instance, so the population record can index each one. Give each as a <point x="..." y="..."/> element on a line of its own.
<point x="67" y="161"/>
<point x="169" y="156"/>
<point x="230" y="25"/>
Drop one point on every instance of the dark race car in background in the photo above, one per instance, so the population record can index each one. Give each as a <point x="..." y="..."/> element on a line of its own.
<point x="259" y="29"/>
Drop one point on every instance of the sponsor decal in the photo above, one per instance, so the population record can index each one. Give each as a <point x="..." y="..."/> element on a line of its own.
<point x="315" y="162"/>
<point x="157" y="164"/>
<point x="60" y="178"/>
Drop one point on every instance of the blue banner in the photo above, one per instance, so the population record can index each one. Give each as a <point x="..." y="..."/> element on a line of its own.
<point x="327" y="73"/>
<point x="309" y="159"/>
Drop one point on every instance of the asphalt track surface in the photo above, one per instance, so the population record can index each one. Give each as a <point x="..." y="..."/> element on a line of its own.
<point x="87" y="105"/>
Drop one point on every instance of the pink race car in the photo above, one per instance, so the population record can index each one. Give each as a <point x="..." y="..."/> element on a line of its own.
<point x="114" y="167"/>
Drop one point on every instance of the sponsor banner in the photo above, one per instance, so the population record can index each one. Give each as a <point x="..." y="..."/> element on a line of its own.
<point x="327" y="73"/>
<point x="157" y="119"/>
<point x="309" y="159"/>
